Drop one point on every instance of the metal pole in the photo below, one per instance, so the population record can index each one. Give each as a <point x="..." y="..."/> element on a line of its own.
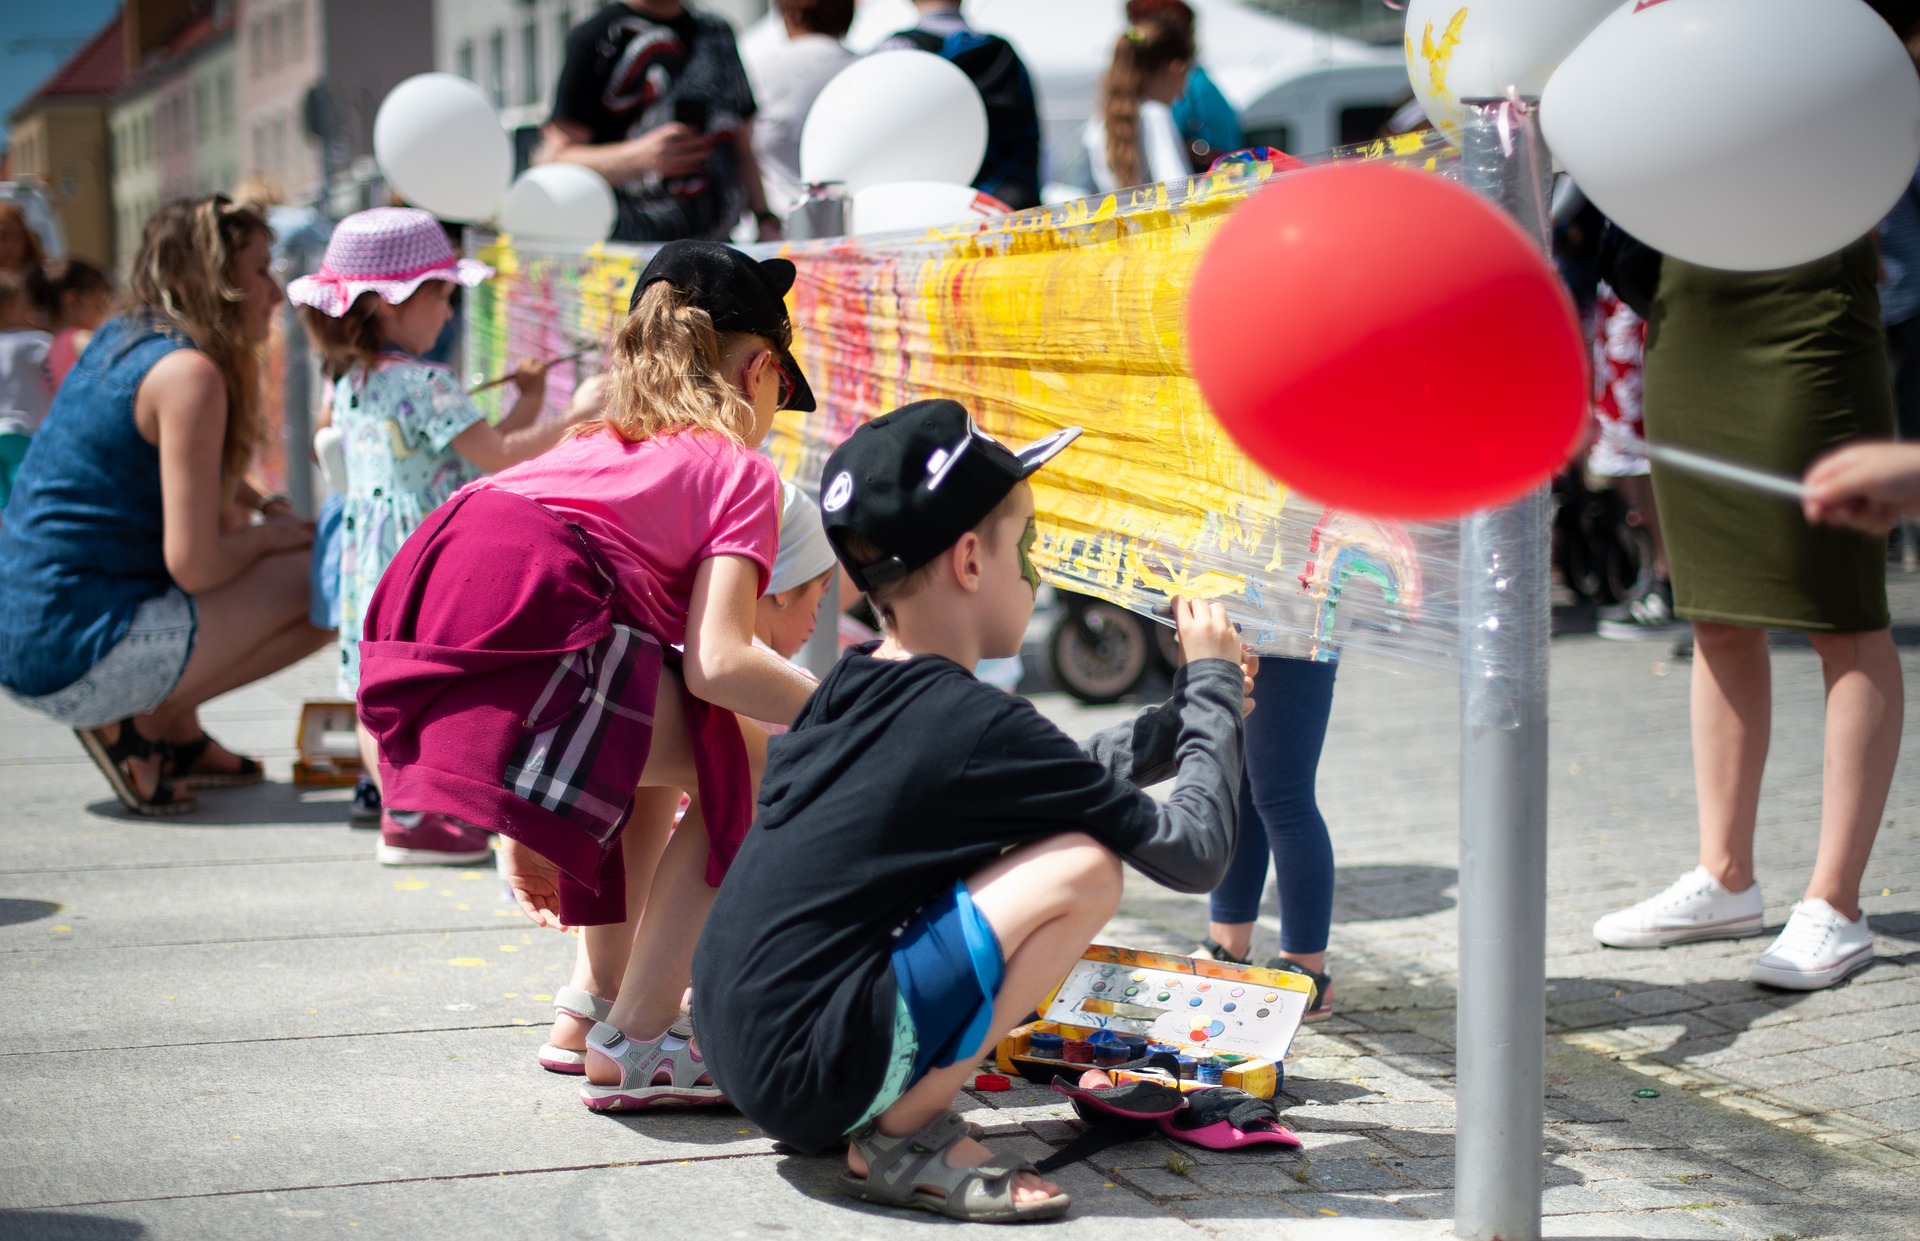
<point x="297" y="413"/>
<point x="823" y="211"/>
<point x="1504" y="627"/>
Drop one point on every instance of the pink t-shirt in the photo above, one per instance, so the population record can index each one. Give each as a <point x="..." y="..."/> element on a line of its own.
<point x="656" y="509"/>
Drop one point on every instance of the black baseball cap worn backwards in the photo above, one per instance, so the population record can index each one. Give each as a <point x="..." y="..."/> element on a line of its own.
<point x="915" y="480"/>
<point x="738" y="294"/>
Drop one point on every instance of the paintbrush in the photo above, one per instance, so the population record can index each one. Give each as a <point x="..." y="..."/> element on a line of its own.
<point x="1733" y="473"/>
<point x="497" y="380"/>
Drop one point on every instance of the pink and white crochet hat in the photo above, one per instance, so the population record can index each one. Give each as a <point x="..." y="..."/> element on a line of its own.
<point x="391" y="251"/>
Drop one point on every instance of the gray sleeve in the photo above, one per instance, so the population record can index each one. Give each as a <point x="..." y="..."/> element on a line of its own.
<point x="1141" y="750"/>
<point x="1193" y="836"/>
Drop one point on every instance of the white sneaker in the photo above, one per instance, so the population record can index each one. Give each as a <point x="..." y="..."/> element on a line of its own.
<point x="1816" y="949"/>
<point x="1696" y="907"/>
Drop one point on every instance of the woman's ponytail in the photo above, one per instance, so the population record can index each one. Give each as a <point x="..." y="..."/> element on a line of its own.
<point x="1142" y="51"/>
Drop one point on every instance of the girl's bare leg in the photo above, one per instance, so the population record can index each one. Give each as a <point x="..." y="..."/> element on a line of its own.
<point x="600" y="958"/>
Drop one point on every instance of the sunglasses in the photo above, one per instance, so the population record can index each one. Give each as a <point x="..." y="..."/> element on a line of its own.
<point x="785" y="380"/>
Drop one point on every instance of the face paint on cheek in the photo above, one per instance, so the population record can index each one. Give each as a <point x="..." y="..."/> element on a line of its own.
<point x="1028" y="538"/>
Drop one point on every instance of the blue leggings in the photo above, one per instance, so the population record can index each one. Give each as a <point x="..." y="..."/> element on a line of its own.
<point x="1278" y="813"/>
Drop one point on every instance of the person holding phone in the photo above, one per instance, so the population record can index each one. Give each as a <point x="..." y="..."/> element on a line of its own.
<point x="653" y="97"/>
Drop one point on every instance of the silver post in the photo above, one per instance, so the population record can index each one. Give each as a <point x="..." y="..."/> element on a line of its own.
<point x="296" y="409"/>
<point x="1504" y="627"/>
<point x="823" y="211"/>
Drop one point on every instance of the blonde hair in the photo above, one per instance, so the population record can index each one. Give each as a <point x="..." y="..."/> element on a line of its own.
<point x="1144" y="50"/>
<point x="184" y="280"/>
<point x="664" y="373"/>
<point x="864" y="551"/>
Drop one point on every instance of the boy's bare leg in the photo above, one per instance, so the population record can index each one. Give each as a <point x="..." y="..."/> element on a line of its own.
<point x="1045" y="902"/>
<point x="600" y="960"/>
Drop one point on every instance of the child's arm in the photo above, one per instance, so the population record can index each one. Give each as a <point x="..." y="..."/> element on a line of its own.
<point x="512" y="440"/>
<point x="722" y="664"/>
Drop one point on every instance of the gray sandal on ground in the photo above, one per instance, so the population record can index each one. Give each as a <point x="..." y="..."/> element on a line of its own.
<point x="661" y="1072"/>
<point x="907" y="1172"/>
<point x="573" y="1002"/>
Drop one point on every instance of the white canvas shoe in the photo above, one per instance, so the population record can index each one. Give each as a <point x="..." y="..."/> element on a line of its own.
<point x="1696" y="907"/>
<point x="1816" y="949"/>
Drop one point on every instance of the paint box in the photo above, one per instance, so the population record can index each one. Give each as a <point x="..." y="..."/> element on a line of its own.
<point x="1200" y="1008"/>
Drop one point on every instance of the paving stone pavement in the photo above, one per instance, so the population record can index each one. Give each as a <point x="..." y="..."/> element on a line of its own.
<point x="236" y="1025"/>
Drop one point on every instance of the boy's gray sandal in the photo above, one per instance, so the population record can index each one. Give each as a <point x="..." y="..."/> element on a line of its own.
<point x="905" y="1171"/>
<point x="643" y="1065"/>
<point x="573" y="1002"/>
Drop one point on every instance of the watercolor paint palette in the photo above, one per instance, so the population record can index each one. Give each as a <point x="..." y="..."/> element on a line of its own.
<point x="1233" y="1021"/>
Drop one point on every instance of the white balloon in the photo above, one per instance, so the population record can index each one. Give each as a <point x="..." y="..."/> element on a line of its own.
<point x="1476" y="50"/>
<point x="902" y="205"/>
<point x="895" y="116"/>
<point x="442" y="146"/>
<point x="1741" y="134"/>
<point x="559" y="202"/>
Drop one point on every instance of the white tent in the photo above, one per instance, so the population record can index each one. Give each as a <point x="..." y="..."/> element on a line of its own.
<point x="1281" y="75"/>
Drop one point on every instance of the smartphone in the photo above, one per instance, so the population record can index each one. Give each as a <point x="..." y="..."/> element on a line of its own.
<point x="692" y="113"/>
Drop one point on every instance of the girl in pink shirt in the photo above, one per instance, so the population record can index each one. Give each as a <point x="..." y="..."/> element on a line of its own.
<point x="518" y="667"/>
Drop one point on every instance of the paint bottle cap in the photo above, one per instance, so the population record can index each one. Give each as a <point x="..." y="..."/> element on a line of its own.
<point x="992" y="1082"/>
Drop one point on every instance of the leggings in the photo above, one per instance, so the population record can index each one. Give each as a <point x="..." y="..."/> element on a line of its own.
<point x="1278" y="813"/>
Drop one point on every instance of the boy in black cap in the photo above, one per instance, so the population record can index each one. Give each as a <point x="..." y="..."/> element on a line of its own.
<point x="931" y="855"/>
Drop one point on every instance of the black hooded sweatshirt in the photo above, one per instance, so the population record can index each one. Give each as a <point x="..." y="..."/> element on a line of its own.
<point x="899" y="779"/>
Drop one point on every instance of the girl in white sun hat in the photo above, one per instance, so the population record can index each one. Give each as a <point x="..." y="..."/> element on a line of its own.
<point x="411" y="435"/>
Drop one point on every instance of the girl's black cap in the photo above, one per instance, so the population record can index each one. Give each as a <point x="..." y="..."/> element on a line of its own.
<point x="913" y="481"/>
<point x="738" y="294"/>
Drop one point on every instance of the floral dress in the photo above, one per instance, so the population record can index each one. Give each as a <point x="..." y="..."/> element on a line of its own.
<point x="397" y="423"/>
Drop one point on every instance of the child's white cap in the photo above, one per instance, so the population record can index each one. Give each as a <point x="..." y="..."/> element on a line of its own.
<point x="805" y="553"/>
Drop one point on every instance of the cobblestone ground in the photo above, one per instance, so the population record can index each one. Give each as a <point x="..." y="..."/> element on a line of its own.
<point x="235" y="1025"/>
<point x="1779" y="1114"/>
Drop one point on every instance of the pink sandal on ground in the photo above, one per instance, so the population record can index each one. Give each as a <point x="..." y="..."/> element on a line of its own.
<point x="573" y="1002"/>
<point x="662" y="1072"/>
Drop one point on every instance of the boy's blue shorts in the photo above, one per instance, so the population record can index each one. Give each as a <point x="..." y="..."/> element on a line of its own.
<point x="948" y="970"/>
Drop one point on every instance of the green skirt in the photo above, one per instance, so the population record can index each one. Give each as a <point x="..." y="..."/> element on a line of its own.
<point x="1773" y="369"/>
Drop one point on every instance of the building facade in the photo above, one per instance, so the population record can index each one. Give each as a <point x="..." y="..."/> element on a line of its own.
<point x="325" y="63"/>
<point x="60" y="139"/>
<point x="167" y="133"/>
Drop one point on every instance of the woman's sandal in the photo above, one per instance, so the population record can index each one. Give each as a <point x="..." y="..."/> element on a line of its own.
<point x="912" y="1172"/>
<point x="573" y="1002"/>
<point x="183" y="757"/>
<point x="1213" y="950"/>
<point x="1321" y="1006"/>
<point x="643" y="1065"/>
<point x="111" y="757"/>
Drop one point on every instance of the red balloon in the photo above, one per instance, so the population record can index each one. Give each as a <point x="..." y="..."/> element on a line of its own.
<point x="1386" y="342"/>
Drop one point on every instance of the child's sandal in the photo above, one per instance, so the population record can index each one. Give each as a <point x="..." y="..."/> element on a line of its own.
<point x="1217" y="952"/>
<point x="642" y="1065"/>
<point x="573" y="1002"/>
<point x="112" y="757"/>
<point x="906" y="1172"/>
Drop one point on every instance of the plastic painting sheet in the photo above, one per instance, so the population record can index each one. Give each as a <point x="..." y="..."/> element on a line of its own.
<point x="1059" y="316"/>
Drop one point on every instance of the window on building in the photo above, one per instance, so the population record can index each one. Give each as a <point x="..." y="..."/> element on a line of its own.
<point x="562" y="27"/>
<point x="202" y="109"/>
<point x="276" y="39"/>
<point x="464" y="60"/>
<point x="529" y="63"/>
<point x="256" y="46"/>
<point x="147" y="148"/>
<point x="280" y="147"/>
<point x="497" y="68"/>
<point x="297" y="30"/>
<point x="224" y="90"/>
<point x="260" y="146"/>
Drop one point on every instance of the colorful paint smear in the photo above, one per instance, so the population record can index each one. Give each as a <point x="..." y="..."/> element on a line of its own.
<point x="1060" y="316"/>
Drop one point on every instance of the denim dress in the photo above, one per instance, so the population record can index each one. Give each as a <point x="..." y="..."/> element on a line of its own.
<point x="80" y="546"/>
